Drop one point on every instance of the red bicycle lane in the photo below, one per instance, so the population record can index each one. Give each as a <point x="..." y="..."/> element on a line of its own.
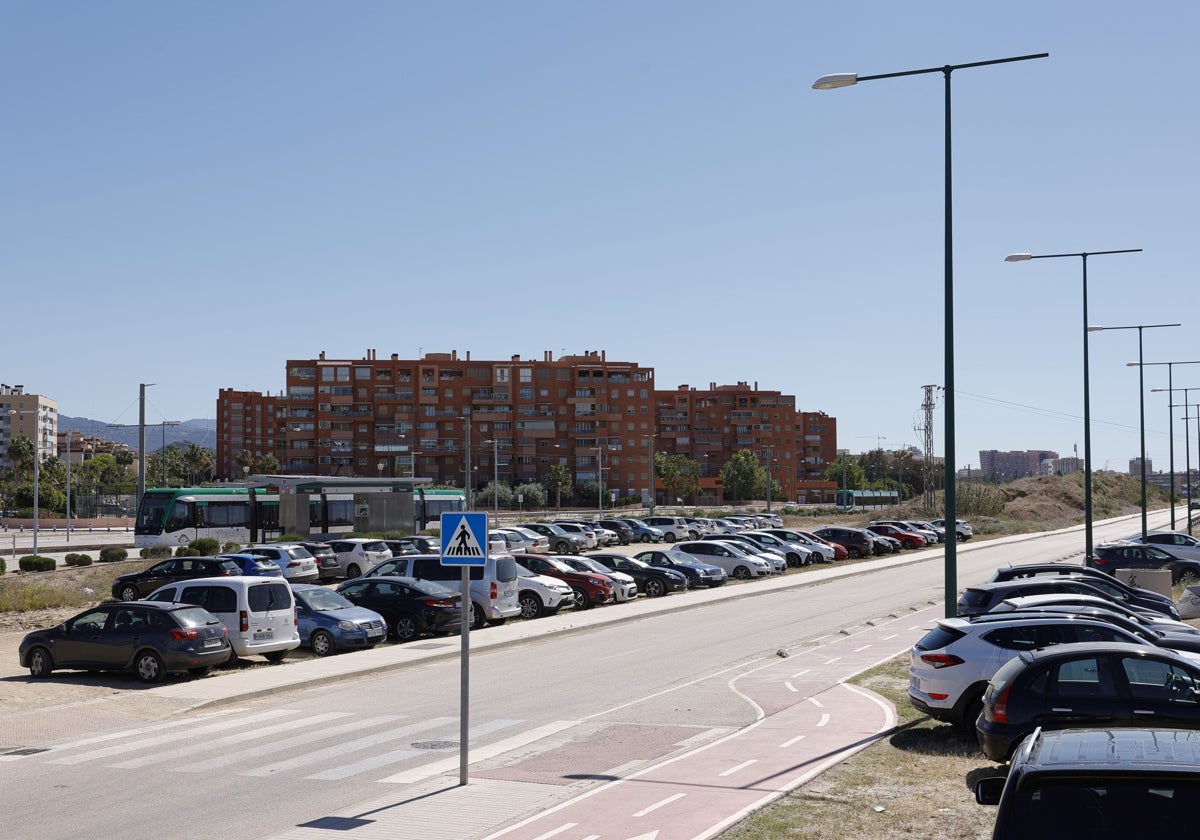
<point x="808" y="719"/>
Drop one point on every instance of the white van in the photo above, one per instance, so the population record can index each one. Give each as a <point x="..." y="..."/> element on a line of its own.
<point x="259" y="612"/>
<point x="493" y="585"/>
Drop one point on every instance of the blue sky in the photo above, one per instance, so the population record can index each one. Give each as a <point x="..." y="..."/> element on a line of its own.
<point x="194" y="193"/>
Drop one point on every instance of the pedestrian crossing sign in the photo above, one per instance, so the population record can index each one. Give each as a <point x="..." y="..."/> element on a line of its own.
<point x="464" y="539"/>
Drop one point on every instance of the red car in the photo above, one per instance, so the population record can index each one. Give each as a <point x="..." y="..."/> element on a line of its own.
<point x="589" y="588"/>
<point x="908" y="539"/>
<point x="839" y="550"/>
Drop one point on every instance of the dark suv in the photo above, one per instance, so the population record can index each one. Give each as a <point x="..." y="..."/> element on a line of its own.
<point x="652" y="581"/>
<point x="1109" y="782"/>
<point x="854" y="540"/>
<point x="619" y="528"/>
<point x="982" y="597"/>
<point x="137" y="585"/>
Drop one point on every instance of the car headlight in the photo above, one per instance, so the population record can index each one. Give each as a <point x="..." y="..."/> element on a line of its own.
<point x="347" y="625"/>
<point x="595" y="581"/>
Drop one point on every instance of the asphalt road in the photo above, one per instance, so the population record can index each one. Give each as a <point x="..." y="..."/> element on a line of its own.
<point x="666" y="726"/>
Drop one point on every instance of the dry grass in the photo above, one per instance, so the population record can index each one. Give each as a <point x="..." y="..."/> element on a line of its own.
<point x="74" y="587"/>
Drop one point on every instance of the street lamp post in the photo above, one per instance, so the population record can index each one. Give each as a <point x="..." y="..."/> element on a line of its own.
<point x="653" y="473"/>
<point x="1170" y="422"/>
<point x="1087" y="401"/>
<point x="141" y="485"/>
<point x="495" y="442"/>
<point x="1141" y="401"/>
<point x="1188" y="445"/>
<point x="838" y="80"/>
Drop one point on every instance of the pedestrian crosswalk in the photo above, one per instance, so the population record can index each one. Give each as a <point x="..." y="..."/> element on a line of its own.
<point x="299" y="744"/>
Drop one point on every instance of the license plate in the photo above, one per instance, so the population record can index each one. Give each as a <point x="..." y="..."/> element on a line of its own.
<point x="263" y="634"/>
<point x="212" y="643"/>
<point x="914" y="683"/>
<point x="374" y="634"/>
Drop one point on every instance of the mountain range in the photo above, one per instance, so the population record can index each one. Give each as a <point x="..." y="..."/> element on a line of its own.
<point x="203" y="432"/>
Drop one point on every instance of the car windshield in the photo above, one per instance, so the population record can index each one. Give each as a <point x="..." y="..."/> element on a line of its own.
<point x="323" y="599"/>
<point x="195" y="617"/>
<point x="436" y="590"/>
<point x="374" y="546"/>
<point x="523" y="572"/>
<point x="635" y="563"/>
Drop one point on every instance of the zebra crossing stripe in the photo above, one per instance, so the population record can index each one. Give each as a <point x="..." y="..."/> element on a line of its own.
<point x="347" y="747"/>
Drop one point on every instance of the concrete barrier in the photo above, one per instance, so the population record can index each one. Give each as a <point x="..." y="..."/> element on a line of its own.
<point x="1156" y="580"/>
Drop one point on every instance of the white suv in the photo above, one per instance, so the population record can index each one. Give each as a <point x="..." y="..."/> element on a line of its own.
<point x="357" y="554"/>
<point x="294" y="560"/>
<point x="673" y="527"/>
<point x="541" y="595"/>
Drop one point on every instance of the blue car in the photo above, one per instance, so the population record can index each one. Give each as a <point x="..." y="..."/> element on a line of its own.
<point x="254" y="566"/>
<point x="697" y="573"/>
<point x="329" y="623"/>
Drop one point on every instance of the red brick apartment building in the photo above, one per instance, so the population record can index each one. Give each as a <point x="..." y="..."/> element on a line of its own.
<point x="400" y="417"/>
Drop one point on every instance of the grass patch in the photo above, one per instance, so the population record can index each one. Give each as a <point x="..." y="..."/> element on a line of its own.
<point x="63" y="588"/>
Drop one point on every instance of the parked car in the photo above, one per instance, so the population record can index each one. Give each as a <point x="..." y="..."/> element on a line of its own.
<point x="411" y="607"/>
<point x="130" y="587"/>
<point x="329" y="623"/>
<point x="259" y="612"/>
<point x="1110" y="557"/>
<point x="293" y="559"/>
<point x="937" y="530"/>
<point x="796" y="554"/>
<point x="327" y="562"/>
<point x="254" y="565"/>
<point x="589" y="539"/>
<point x="674" y="528"/>
<point x="729" y="556"/>
<point x="854" y="540"/>
<point x="493" y="585"/>
<point x="589" y="588"/>
<point x="908" y="539"/>
<point x="538" y="543"/>
<point x="149" y="639"/>
<point x="1140" y="781"/>
<point x="1086" y="685"/>
<point x="927" y="536"/>
<point x="982" y="597"/>
<point x="357" y="554"/>
<point x="950" y="665"/>
<point x="509" y="542"/>
<point x="561" y="542"/>
<point x="1072" y="570"/>
<point x="819" y="550"/>
<point x="652" y="581"/>
<point x="962" y="529"/>
<point x="757" y="548"/>
<point x="400" y="547"/>
<point x="624" y="532"/>
<point x="422" y="543"/>
<point x="642" y="532"/>
<point x="541" y="595"/>
<point x="1177" y="543"/>
<point x="1059" y="600"/>
<point x="698" y="573"/>
<point x="625" y="588"/>
<point x="886" y="544"/>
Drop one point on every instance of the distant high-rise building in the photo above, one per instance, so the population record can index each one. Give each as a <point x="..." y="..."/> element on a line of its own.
<point x="1135" y="466"/>
<point x="30" y="416"/>
<point x="1005" y="466"/>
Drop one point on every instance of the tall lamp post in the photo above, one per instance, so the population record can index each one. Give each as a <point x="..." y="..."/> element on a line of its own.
<point x="838" y="80"/>
<point x="37" y="469"/>
<point x="1170" y="420"/>
<point x="653" y="473"/>
<point x="1187" y="445"/>
<point x="141" y="485"/>
<point x="1141" y="401"/>
<point x="1087" y="401"/>
<point x="495" y="442"/>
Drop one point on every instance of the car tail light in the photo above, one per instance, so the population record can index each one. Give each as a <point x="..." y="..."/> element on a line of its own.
<point x="438" y="603"/>
<point x="244" y="621"/>
<point x="184" y="635"/>
<point x="295" y="564"/>
<point x="494" y="593"/>
<point x="941" y="660"/>
<point x="1000" y="706"/>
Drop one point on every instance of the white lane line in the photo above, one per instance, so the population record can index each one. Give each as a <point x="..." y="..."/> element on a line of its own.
<point x="889" y="638"/>
<point x="861" y="649"/>
<point x="345" y="771"/>
<point x="347" y="747"/>
<point x="132" y="746"/>
<point x="706" y="735"/>
<point x="738" y="767"/>
<point x="436" y="768"/>
<point x="824" y="719"/>
<point x="799" y="673"/>
<point x="236" y="738"/>
<point x="659" y="804"/>
<point x="791" y="741"/>
<point x="556" y="831"/>
<point x="789" y="686"/>
<point x="244" y="756"/>
<point x="831" y="661"/>
<point x="816" y="702"/>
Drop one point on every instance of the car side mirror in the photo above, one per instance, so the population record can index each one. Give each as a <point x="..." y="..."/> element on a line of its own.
<point x="988" y="790"/>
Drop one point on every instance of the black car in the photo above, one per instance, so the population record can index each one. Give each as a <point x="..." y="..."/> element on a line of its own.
<point x="137" y="585"/>
<point x="399" y="548"/>
<point x="619" y="528"/>
<point x="855" y="540"/>
<point x="1108" y="557"/>
<point x="1097" y="783"/>
<point x="327" y="560"/>
<point x="982" y="597"/>
<point x="1087" y="684"/>
<point x="698" y="573"/>
<point x="1071" y="570"/>
<point x="149" y="638"/>
<point x="421" y="544"/>
<point x="410" y="606"/>
<point x="652" y="581"/>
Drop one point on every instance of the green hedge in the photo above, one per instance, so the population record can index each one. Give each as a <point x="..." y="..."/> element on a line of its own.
<point x="113" y="554"/>
<point x="205" y="546"/>
<point x="186" y="551"/>
<point x="78" y="559"/>
<point x="155" y="552"/>
<point x="37" y="563"/>
<point x="3" y="566"/>
<point x="231" y="548"/>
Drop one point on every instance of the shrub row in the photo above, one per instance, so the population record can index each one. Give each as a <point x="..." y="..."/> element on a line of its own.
<point x="155" y="552"/>
<point x="36" y="563"/>
<point x="113" y="554"/>
<point x="78" y="559"/>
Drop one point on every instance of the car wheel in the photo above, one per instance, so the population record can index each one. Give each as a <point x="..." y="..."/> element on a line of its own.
<point x="40" y="663"/>
<point x="232" y="661"/>
<point x="645" y="538"/>
<point x="405" y="628"/>
<point x="582" y="601"/>
<point x="741" y="573"/>
<point x="478" y="617"/>
<point x="200" y="671"/>
<point x="531" y="605"/>
<point x="1189" y="576"/>
<point x="275" y="656"/>
<point x="129" y="593"/>
<point x="149" y="667"/>
<point x="655" y="588"/>
<point x="693" y="535"/>
<point x="497" y="622"/>
<point x="670" y="536"/>
<point x="562" y="547"/>
<point x="352" y="571"/>
<point x="321" y="643"/>
<point x="854" y="552"/>
<point x="795" y="561"/>
<point x="966" y="728"/>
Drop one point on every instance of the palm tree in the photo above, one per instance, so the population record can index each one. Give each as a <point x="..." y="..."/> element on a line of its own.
<point x="198" y="459"/>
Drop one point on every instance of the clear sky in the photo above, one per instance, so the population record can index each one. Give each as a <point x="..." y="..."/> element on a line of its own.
<point x="195" y="192"/>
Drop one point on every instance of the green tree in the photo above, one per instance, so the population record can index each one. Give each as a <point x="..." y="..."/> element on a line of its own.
<point x="533" y="495"/>
<point x="487" y="497"/>
<point x="744" y="477"/>
<point x="20" y="455"/>
<point x="559" y="481"/>
<point x="199" y="460"/>
<point x="855" y="477"/>
<point x="680" y="475"/>
<point x="266" y="464"/>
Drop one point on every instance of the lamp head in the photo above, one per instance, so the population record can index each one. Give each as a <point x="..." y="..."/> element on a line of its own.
<point x="1095" y="329"/>
<point x="1018" y="257"/>
<point x="835" y="80"/>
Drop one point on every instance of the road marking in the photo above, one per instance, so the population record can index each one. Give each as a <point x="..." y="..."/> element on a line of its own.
<point x="673" y="797"/>
<point x="706" y="735"/>
<point x="492" y="750"/>
<point x="791" y="741"/>
<point x="816" y="702"/>
<point x="132" y="746"/>
<point x="831" y="661"/>
<point x="556" y="831"/>
<point x="141" y="730"/>
<point x="889" y="638"/>
<point x="347" y="747"/>
<point x="861" y="649"/>
<point x="345" y="771"/>
<point x="242" y="756"/>
<point x="799" y="673"/>
<point x="738" y="767"/>
<point x="789" y="686"/>
<point x="824" y="719"/>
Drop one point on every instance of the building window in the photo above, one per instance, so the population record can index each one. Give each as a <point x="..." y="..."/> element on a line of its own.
<point x="502" y="374"/>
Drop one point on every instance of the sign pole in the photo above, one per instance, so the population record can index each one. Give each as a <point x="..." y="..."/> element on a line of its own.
<point x="464" y="690"/>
